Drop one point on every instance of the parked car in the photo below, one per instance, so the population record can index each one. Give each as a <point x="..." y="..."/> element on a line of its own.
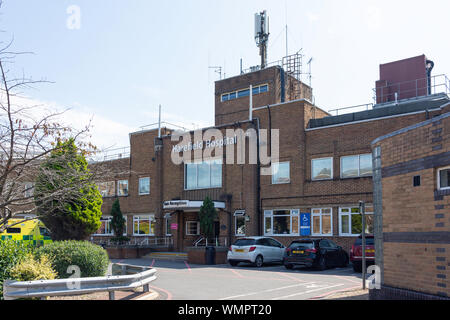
<point x="317" y="253"/>
<point x="356" y="252"/>
<point x="255" y="250"/>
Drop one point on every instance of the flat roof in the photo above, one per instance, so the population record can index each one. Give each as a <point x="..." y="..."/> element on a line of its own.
<point x="385" y="110"/>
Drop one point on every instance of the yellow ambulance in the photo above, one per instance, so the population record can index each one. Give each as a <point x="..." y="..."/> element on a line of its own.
<point x="31" y="231"/>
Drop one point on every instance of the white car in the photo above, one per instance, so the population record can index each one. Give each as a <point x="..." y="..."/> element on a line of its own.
<point x="255" y="250"/>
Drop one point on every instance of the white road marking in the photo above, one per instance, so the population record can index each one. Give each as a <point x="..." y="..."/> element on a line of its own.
<point x="305" y="292"/>
<point x="268" y="290"/>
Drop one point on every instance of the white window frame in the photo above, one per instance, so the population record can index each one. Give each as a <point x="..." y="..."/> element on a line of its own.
<point x="196" y="170"/>
<point x="332" y="171"/>
<point x="235" y="226"/>
<point x="439" y="178"/>
<point x="149" y="186"/>
<point x="293" y="213"/>
<point x="150" y="217"/>
<point x="167" y="227"/>
<point x="289" y="172"/>
<point x="359" y="166"/>
<point x="187" y="228"/>
<point x="118" y="188"/>
<point x="350" y="220"/>
<point x="237" y="92"/>
<point x="111" y="232"/>
<point x="105" y="183"/>
<point x="321" y="214"/>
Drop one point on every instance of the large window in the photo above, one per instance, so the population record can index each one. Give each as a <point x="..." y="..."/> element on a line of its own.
<point x="144" y="186"/>
<point x="444" y="178"/>
<point x="203" y="175"/>
<point x="144" y="225"/>
<point x="168" y="227"/>
<point x="122" y="188"/>
<point x="322" y="169"/>
<point x="105" y="228"/>
<point x="280" y="173"/>
<point x="192" y="228"/>
<point x="244" y="93"/>
<point x="107" y="189"/>
<point x="281" y="222"/>
<point x="356" y="166"/>
<point x="350" y="221"/>
<point x="322" y="222"/>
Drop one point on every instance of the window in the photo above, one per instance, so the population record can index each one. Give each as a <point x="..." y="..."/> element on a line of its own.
<point x="144" y="225"/>
<point x="192" y="228"/>
<point x="244" y="93"/>
<point x="144" y="186"/>
<point x="28" y="189"/>
<point x="203" y="175"/>
<point x="122" y="188"/>
<point x="281" y="222"/>
<point x="322" y="222"/>
<point x="168" y="229"/>
<point x="322" y="169"/>
<point x="356" y="166"/>
<point x="240" y="225"/>
<point x="107" y="189"/>
<point x="350" y="221"/>
<point x="280" y="173"/>
<point x="444" y="178"/>
<point x="105" y="228"/>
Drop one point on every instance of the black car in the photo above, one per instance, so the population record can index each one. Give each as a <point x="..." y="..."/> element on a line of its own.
<point x="317" y="253"/>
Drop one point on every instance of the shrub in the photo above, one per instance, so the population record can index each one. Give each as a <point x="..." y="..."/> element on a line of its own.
<point x="92" y="260"/>
<point x="11" y="253"/>
<point x="30" y="269"/>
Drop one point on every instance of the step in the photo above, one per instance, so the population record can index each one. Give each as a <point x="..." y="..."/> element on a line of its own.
<point x="182" y="256"/>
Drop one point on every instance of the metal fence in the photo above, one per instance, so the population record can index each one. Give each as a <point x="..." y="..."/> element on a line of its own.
<point x="130" y="277"/>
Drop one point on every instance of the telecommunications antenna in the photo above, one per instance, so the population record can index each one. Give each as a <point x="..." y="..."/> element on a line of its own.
<point x="262" y="35"/>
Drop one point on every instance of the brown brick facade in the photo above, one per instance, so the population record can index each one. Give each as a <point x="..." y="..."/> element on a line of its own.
<point x="415" y="230"/>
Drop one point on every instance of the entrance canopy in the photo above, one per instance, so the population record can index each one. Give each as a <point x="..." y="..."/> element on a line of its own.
<point x="187" y="205"/>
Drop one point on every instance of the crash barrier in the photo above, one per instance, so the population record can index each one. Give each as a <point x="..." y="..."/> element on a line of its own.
<point x="130" y="277"/>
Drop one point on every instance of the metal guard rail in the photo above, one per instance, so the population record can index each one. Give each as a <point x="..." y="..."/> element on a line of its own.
<point x="138" y="277"/>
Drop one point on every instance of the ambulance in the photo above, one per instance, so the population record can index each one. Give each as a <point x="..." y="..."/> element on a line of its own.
<point x="31" y="231"/>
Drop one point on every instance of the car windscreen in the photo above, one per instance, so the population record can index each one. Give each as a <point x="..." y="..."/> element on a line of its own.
<point x="369" y="242"/>
<point x="303" y="245"/>
<point x="244" y="242"/>
<point x="13" y="230"/>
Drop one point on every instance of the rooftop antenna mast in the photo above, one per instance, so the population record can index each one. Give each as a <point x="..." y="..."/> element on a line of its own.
<point x="262" y="35"/>
<point x="218" y="70"/>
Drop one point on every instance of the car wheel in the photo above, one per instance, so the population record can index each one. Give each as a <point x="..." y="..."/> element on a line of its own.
<point x="289" y="266"/>
<point x="322" y="264"/>
<point x="344" y="263"/>
<point x="233" y="263"/>
<point x="259" y="261"/>
<point x="357" y="267"/>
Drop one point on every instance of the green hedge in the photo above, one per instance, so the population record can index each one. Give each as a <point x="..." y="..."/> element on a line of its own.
<point x="92" y="260"/>
<point x="11" y="253"/>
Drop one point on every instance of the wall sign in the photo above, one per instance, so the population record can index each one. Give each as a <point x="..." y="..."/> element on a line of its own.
<point x="305" y="224"/>
<point x="174" y="226"/>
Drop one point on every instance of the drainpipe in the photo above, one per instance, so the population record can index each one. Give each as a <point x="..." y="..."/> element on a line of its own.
<point x="430" y="66"/>
<point x="258" y="181"/>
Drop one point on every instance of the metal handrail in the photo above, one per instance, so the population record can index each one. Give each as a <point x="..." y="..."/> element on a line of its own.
<point x="132" y="277"/>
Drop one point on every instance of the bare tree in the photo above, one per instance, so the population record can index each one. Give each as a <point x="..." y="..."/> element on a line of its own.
<point x="28" y="135"/>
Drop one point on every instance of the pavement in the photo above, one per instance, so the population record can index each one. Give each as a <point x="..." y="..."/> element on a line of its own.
<point x="178" y="280"/>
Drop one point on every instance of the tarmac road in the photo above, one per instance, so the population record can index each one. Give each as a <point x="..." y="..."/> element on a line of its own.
<point x="177" y="280"/>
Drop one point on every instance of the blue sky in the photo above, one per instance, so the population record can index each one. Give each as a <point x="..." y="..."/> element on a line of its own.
<point x="130" y="56"/>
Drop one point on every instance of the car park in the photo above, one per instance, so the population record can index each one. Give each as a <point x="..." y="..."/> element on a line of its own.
<point x="318" y="253"/>
<point x="356" y="252"/>
<point x="255" y="250"/>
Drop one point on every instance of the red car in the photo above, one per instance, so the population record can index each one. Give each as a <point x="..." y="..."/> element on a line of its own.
<point x="356" y="253"/>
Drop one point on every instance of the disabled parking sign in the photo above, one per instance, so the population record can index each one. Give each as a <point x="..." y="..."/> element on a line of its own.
<point x="305" y="224"/>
